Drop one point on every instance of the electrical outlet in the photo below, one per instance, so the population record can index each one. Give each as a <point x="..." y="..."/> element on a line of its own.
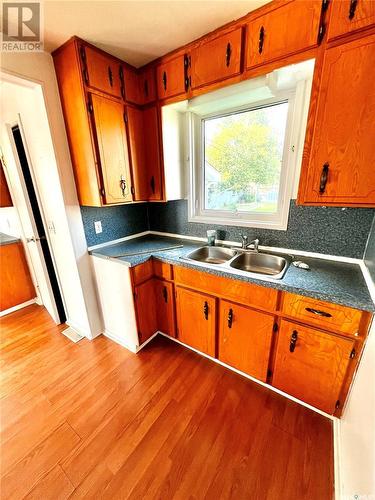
<point x="98" y="226"/>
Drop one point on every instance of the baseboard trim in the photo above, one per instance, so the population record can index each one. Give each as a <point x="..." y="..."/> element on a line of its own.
<point x="130" y="347"/>
<point x="263" y="384"/>
<point x="17" y="307"/>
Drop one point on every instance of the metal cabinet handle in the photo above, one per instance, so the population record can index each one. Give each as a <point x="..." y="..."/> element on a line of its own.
<point x="228" y="54"/>
<point x="205" y="310"/>
<point x="123" y="186"/>
<point x="352" y="8"/>
<point x="261" y="39"/>
<point x="323" y="178"/>
<point x="110" y="76"/>
<point x="152" y="184"/>
<point x="85" y="76"/>
<point x="165" y="80"/>
<point x="293" y="341"/>
<point x="317" y="312"/>
<point x="165" y="294"/>
<point x="122" y="86"/>
<point x="230" y="318"/>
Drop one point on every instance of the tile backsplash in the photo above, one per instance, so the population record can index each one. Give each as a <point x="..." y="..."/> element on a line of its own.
<point x="333" y="231"/>
<point x="117" y="222"/>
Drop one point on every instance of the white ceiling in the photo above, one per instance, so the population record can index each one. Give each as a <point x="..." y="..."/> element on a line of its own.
<point x="135" y="30"/>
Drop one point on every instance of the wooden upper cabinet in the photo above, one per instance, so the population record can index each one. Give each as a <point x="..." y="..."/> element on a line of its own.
<point x="196" y="319"/>
<point x="338" y="166"/>
<point x="170" y="77"/>
<point x="293" y="27"/>
<point x="145" y="307"/>
<point x="311" y="365"/>
<point x="5" y="199"/>
<point x="245" y="339"/>
<point x="109" y="124"/>
<point x="145" y="152"/>
<point x="216" y="59"/>
<point x="101" y="72"/>
<point x="348" y="16"/>
<point x="164" y="296"/>
<point x="147" y="85"/>
<point x="131" y="85"/>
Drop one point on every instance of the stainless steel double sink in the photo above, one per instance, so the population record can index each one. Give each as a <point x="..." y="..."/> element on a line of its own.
<point x="243" y="260"/>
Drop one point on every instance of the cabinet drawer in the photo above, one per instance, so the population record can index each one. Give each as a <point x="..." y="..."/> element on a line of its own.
<point x="238" y="291"/>
<point x="323" y="314"/>
<point x="142" y="272"/>
<point x="102" y="72"/>
<point x="348" y="16"/>
<point x="311" y="365"/>
<point x="217" y="59"/>
<point x="162" y="269"/>
<point x="291" y="28"/>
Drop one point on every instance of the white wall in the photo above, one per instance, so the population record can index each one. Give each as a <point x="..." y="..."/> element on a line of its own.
<point x="47" y="142"/>
<point x="357" y="426"/>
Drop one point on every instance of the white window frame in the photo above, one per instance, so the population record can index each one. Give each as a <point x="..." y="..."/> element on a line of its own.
<point x="292" y="144"/>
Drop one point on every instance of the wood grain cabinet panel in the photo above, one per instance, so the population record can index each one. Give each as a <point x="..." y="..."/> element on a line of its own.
<point x="165" y="308"/>
<point x="238" y="291"/>
<point x="5" y="199"/>
<point x="143" y="126"/>
<point x="16" y="286"/>
<point x="196" y="319"/>
<point x="109" y="124"/>
<point x="216" y="59"/>
<point x="142" y="272"/>
<point x="322" y="314"/>
<point x="170" y="77"/>
<point x="245" y="339"/>
<point x="348" y="16"/>
<point x="131" y="86"/>
<point x="293" y="27"/>
<point x="339" y="168"/>
<point x="102" y="72"/>
<point x="311" y="365"/>
<point x="162" y="269"/>
<point x="145" y="307"/>
<point x="147" y="84"/>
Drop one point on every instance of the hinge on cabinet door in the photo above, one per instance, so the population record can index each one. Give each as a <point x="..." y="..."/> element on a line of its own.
<point x="322" y="26"/>
<point x="132" y="190"/>
<point x="321" y="33"/>
<point x="90" y="109"/>
<point x="269" y="373"/>
<point x="325" y="4"/>
<point x="275" y="327"/>
<point x="82" y="53"/>
<point x="102" y="192"/>
<point x="352" y="354"/>
<point x="337" y="405"/>
<point x="135" y="295"/>
<point x="125" y="117"/>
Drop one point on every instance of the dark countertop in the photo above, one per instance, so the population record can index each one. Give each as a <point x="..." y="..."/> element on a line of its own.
<point x="6" y="239"/>
<point x="332" y="281"/>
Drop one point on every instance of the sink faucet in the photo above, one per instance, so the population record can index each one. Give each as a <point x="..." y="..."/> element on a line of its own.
<point x="245" y="243"/>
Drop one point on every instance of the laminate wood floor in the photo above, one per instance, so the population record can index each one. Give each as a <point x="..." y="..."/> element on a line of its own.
<point x="92" y="420"/>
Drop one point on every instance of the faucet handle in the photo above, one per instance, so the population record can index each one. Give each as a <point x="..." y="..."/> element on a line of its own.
<point x="244" y="238"/>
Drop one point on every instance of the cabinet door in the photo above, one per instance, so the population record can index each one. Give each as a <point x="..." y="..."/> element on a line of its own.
<point x="245" y="339"/>
<point x="217" y="59"/>
<point x="291" y="28"/>
<point x="196" y="320"/>
<point x="143" y="126"/>
<point x="132" y="93"/>
<point x="153" y="154"/>
<point x="5" y="199"/>
<point x="311" y="364"/>
<point x="145" y="306"/>
<point x="165" y="307"/>
<point x="348" y="16"/>
<point x="340" y="169"/>
<point x="109" y="124"/>
<point x="103" y="73"/>
<point x="147" y="85"/>
<point x="171" y="77"/>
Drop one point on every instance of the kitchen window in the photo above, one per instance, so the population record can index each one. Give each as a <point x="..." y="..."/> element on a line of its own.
<point x="244" y="158"/>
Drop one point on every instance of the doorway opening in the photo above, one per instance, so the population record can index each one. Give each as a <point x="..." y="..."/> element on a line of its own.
<point x="40" y="236"/>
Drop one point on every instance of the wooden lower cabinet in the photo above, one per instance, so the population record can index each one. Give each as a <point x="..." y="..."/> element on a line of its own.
<point x="145" y="305"/>
<point x="311" y="364"/>
<point x="245" y="338"/>
<point x="165" y="310"/>
<point x="196" y="319"/>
